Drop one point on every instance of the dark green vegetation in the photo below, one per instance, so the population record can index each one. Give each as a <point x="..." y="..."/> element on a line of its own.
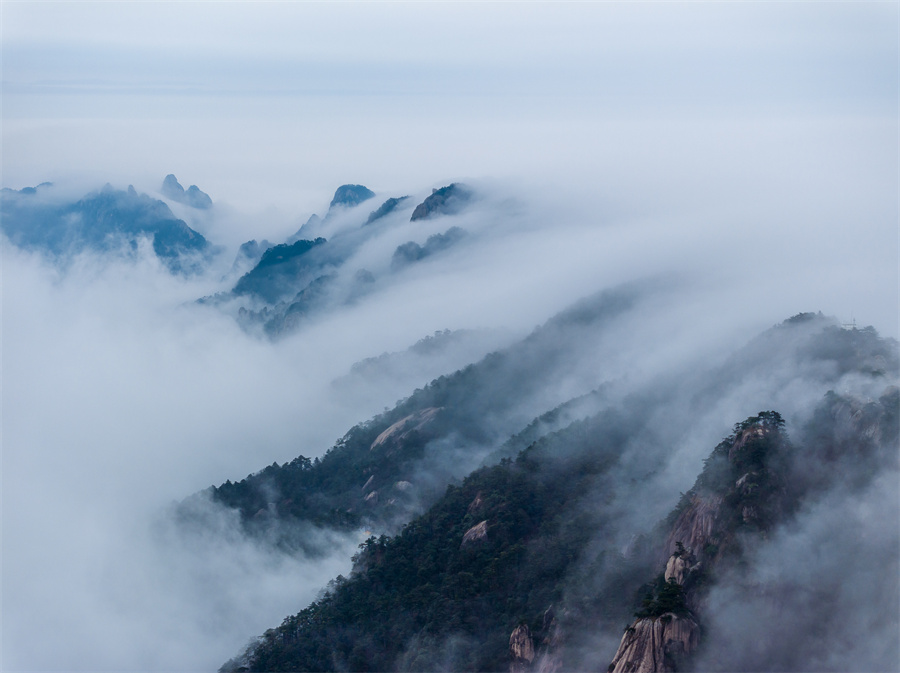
<point x="515" y="540"/>
<point x="663" y="597"/>
<point x="437" y="581"/>
<point x="106" y="220"/>
<point x="441" y="432"/>
<point x="568" y="518"/>
<point x="452" y="424"/>
<point x="277" y="271"/>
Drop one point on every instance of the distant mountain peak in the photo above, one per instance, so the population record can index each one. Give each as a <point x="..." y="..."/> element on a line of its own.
<point x="444" y="201"/>
<point x="172" y="188"/>
<point x="26" y="191"/>
<point x="193" y="197"/>
<point x="351" y="195"/>
<point x="100" y="221"/>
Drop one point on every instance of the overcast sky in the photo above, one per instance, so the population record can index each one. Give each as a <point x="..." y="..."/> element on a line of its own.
<point x="750" y="149"/>
<point x="778" y="115"/>
<point x="279" y="102"/>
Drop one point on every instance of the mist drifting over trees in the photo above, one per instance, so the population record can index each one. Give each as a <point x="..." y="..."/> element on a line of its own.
<point x="425" y="337"/>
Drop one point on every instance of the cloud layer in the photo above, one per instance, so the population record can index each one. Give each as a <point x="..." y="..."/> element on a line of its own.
<point x="746" y="155"/>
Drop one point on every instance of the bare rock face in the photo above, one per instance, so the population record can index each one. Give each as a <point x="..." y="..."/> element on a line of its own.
<point x="402" y="428"/>
<point x="677" y="568"/>
<point x="656" y="645"/>
<point x="521" y="649"/>
<point x="666" y="632"/>
<point x="476" y="533"/>
<point x="696" y="526"/>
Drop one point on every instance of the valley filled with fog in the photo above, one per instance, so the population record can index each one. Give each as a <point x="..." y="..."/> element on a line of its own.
<point x="625" y="250"/>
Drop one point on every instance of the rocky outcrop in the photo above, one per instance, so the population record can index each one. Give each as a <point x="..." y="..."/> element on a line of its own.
<point x="536" y="652"/>
<point x="477" y="533"/>
<point x="404" y="427"/>
<point x="738" y="490"/>
<point x="656" y="645"/>
<point x="521" y="649"/>
<point x="695" y="527"/>
<point x="676" y="569"/>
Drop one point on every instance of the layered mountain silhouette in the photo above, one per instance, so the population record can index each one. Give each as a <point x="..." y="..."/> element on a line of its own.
<point x="295" y="280"/>
<point x="105" y="220"/>
<point x="193" y="197"/>
<point x="551" y="505"/>
<point x="535" y="560"/>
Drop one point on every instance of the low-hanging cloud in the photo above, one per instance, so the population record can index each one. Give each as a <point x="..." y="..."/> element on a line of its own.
<point x="754" y="196"/>
<point x="123" y="395"/>
<point x="836" y="566"/>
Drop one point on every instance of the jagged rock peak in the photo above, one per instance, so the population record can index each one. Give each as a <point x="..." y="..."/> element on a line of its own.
<point x="193" y="197"/>
<point x="656" y="645"/>
<point x="444" y="201"/>
<point x="678" y="566"/>
<point x="172" y="188"/>
<point x="197" y="198"/>
<point x="736" y="488"/>
<point x="351" y="195"/>
<point x="521" y="649"/>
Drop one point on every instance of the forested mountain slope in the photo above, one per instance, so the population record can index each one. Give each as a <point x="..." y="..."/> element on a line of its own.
<point x="537" y="562"/>
<point x="519" y="556"/>
<point x="384" y="470"/>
